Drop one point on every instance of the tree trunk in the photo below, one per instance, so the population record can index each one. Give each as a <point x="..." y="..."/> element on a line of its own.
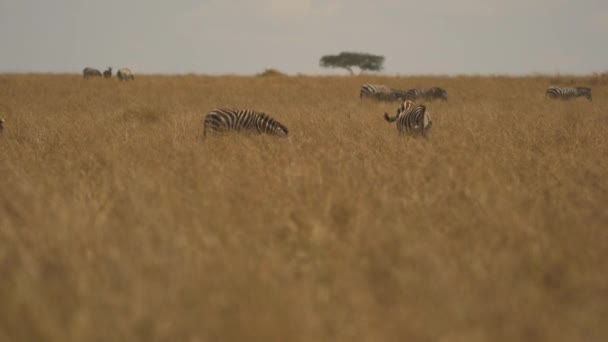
<point x="350" y="70"/>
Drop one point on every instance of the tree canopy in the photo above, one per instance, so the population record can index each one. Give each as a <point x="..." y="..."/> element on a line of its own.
<point x="348" y="60"/>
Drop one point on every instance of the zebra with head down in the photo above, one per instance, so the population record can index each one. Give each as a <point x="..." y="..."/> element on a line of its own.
<point x="568" y="93"/>
<point x="247" y="121"/>
<point x="426" y="94"/>
<point x="90" y="72"/>
<point x="379" y="92"/>
<point x="125" y="74"/>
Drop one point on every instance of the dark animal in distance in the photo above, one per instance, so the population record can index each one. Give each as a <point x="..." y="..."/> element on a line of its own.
<point x="426" y="94"/>
<point x="223" y="120"/>
<point x="1" y="125"/>
<point x="568" y="93"/>
<point x="411" y="119"/>
<point x="125" y="74"/>
<point x="379" y="92"/>
<point x="90" y="72"/>
<point x="107" y="73"/>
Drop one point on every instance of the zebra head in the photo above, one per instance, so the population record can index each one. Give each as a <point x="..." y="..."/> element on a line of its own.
<point x="280" y="130"/>
<point x="388" y="117"/>
<point x="441" y="93"/>
<point x="584" y="91"/>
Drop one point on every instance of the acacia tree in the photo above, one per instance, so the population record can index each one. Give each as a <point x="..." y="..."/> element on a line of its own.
<point x="348" y="60"/>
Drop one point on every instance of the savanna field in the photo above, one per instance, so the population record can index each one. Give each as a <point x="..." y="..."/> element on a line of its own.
<point x="118" y="222"/>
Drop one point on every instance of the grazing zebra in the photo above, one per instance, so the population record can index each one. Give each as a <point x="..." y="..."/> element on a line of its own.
<point x="90" y="72"/>
<point x="411" y="118"/>
<point x="1" y="125"/>
<point x="248" y="121"/>
<point x="107" y="73"/>
<point x="568" y="93"/>
<point x="125" y="74"/>
<point x="379" y="92"/>
<point x="426" y="94"/>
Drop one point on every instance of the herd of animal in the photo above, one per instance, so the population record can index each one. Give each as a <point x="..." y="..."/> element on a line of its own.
<point x="411" y="118"/>
<point x="123" y="74"/>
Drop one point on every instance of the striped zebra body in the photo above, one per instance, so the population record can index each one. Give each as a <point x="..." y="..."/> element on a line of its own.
<point x="125" y="74"/>
<point x="246" y="121"/>
<point x="379" y="92"/>
<point x="411" y="118"/>
<point x="90" y="72"/>
<point x="426" y="94"/>
<point x="107" y="73"/>
<point x="568" y="93"/>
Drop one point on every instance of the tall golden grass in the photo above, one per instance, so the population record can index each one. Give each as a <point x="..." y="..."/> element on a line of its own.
<point x="119" y="223"/>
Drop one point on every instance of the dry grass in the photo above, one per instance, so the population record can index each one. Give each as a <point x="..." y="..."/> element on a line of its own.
<point x="117" y="223"/>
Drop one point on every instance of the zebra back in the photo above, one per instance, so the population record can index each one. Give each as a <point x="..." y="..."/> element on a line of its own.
<point x="224" y="120"/>
<point x="411" y="118"/>
<point x="378" y="92"/>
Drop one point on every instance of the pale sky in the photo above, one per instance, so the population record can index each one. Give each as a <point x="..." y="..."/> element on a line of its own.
<point x="245" y="37"/>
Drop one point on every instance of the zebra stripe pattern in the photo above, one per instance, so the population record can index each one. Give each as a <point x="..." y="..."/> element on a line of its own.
<point x="411" y="118"/>
<point x="125" y="74"/>
<point x="248" y="121"/>
<point x="568" y="93"/>
<point x="426" y="94"/>
<point x="107" y="73"/>
<point x="90" y="72"/>
<point x="379" y="92"/>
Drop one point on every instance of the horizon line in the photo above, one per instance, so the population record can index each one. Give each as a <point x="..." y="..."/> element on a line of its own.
<point x="300" y="74"/>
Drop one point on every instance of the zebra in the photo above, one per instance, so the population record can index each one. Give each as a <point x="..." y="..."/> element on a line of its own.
<point x="1" y="125"/>
<point x="411" y="118"/>
<point x="90" y="72"/>
<point x="247" y="121"/>
<point x="379" y="92"/>
<point x="107" y="73"/>
<point x="426" y="94"/>
<point x="568" y="93"/>
<point x="125" y="74"/>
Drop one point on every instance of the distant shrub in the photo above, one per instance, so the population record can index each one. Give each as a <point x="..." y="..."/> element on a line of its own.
<point x="143" y="114"/>
<point x="271" y="73"/>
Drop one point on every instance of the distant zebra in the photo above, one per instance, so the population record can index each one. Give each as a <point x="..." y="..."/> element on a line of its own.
<point x="426" y="94"/>
<point x="107" y="73"/>
<point x="90" y="72"/>
<point x="411" y="118"/>
<point x="1" y="125"/>
<point x="568" y="93"/>
<point x="125" y="74"/>
<point x="379" y="92"/>
<point x="247" y="121"/>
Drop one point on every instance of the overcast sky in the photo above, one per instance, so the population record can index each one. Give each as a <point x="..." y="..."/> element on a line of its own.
<point x="245" y="37"/>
